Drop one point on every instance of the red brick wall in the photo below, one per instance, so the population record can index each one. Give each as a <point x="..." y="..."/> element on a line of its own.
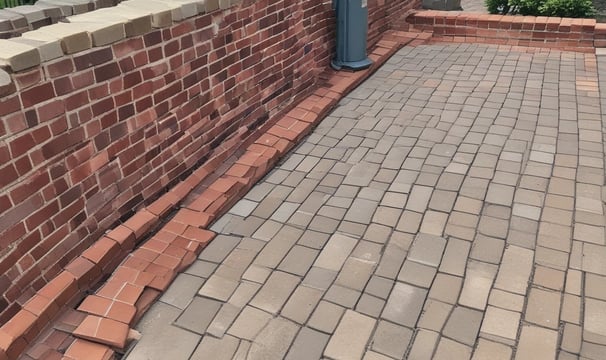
<point x="88" y="138"/>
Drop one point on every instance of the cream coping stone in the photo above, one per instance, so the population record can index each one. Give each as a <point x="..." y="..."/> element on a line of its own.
<point x="18" y="56"/>
<point x="211" y="5"/>
<point x="66" y="8"/>
<point x="17" y="21"/>
<point x="32" y="13"/>
<point x="200" y="5"/>
<point x="53" y="11"/>
<point x="189" y="8"/>
<point x="49" y="49"/>
<point x="5" y="82"/>
<point x="159" y="18"/>
<point x="134" y="23"/>
<point x="102" y="31"/>
<point x="5" y="24"/>
<point x="78" y="6"/>
<point x="155" y="6"/>
<point x="72" y="39"/>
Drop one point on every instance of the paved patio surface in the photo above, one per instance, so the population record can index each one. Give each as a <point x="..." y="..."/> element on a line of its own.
<point x="449" y="208"/>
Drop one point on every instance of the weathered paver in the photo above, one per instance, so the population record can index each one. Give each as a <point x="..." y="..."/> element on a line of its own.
<point x="351" y="336"/>
<point x="391" y="339"/>
<point x="275" y="292"/>
<point x="159" y="333"/>
<point x="309" y="344"/>
<point x="198" y="314"/>
<point x="536" y="343"/>
<point x="404" y="304"/>
<point x="249" y="323"/>
<point x="451" y="207"/>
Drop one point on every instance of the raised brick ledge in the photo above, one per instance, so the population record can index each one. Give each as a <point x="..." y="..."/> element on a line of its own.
<point x="101" y="323"/>
<point x="583" y="35"/>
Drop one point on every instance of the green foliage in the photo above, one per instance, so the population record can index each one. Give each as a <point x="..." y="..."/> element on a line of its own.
<point x="562" y="8"/>
<point x="568" y="8"/>
<point x="497" y="6"/>
<point x="13" y="3"/>
<point x="526" y="7"/>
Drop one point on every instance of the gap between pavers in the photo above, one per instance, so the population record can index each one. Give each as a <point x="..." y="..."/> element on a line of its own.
<point x="102" y="322"/>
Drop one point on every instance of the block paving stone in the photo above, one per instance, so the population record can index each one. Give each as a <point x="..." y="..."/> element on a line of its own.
<point x="450" y="207"/>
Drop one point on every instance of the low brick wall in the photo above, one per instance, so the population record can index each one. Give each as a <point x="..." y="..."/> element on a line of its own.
<point x="548" y="32"/>
<point x="89" y="137"/>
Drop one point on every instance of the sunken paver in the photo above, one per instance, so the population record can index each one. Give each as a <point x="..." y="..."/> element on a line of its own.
<point x="450" y="207"/>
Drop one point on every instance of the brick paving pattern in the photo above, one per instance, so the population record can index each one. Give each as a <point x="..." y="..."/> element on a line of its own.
<point x="451" y="207"/>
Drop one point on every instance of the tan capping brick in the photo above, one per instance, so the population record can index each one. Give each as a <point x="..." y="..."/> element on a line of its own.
<point x="31" y="13"/>
<point x="101" y="31"/>
<point x="76" y="6"/>
<point x="72" y="39"/>
<point x="7" y="86"/>
<point x="54" y="12"/>
<point x="49" y="50"/>
<point x="159" y="18"/>
<point x="135" y="23"/>
<point x="211" y="5"/>
<point x="201" y="5"/>
<point x="65" y="7"/>
<point x="155" y="7"/>
<point x="15" y="21"/>
<point x="18" y="56"/>
<point x="189" y="8"/>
